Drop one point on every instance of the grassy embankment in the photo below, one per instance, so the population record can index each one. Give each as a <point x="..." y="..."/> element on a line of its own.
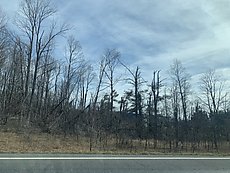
<point x="13" y="142"/>
<point x="14" y="139"/>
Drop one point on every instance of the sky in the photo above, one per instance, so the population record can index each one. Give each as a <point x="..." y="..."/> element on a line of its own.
<point x="150" y="33"/>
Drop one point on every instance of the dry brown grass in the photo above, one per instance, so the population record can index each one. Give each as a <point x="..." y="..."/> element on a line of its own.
<point x="40" y="143"/>
<point x="12" y="142"/>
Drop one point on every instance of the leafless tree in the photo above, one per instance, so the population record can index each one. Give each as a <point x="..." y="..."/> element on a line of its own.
<point x="87" y="77"/>
<point x="213" y="93"/>
<point x="6" y="52"/>
<point x="155" y="88"/>
<point x="112" y="57"/>
<point x="103" y="65"/>
<point x="74" y="58"/>
<point x="214" y="96"/>
<point x="136" y="81"/>
<point x="4" y="37"/>
<point x="31" y="19"/>
<point x="92" y="114"/>
<point x="180" y="78"/>
<point x="175" y="108"/>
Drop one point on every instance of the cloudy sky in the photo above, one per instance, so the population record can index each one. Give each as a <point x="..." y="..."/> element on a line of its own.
<point x="151" y="33"/>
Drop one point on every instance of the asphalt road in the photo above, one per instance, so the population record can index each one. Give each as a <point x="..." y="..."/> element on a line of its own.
<point x="111" y="164"/>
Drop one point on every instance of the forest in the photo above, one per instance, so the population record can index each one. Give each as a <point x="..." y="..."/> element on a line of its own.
<point x="72" y="96"/>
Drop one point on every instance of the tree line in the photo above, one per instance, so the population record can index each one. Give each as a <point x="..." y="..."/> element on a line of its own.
<point x="71" y="96"/>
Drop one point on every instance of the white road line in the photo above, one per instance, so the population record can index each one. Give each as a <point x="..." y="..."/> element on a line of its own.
<point x="114" y="158"/>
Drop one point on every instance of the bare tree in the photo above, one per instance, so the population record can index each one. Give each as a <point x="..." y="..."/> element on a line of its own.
<point x="214" y="96"/>
<point x="155" y="88"/>
<point x="32" y="17"/>
<point x="74" y="58"/>
<point x="112" y="57"/>
<point x="5" y="54"/>
<point x="92" y="113"/>
<point x="4" y="37"/>
<point x="175" y="108"/>
<point x="103" y="65"/>
<point x="180" y="78"/>
<point x="136" y="81"/>
<point x="213" y="93"/>
<point x="86" y="80"/>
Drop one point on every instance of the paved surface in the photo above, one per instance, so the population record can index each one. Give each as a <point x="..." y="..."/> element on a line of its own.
<point x="110" y="164"/>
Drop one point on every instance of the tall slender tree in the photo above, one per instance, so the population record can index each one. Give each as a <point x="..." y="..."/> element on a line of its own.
<point x="31" y="19"/>
<point x="180" y="78"/>
<point x="155" y="88"/>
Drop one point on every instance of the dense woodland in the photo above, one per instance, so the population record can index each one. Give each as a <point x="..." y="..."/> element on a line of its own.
<point x="71" y="96"/>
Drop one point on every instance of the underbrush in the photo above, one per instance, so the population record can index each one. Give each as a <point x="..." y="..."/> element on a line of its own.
<point x="35" y="142"/>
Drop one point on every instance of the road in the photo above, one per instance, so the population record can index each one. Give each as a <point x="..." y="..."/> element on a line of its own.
<point x="111" y="164"/>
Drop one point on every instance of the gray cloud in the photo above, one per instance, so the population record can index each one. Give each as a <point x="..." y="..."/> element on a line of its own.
<point x="150" y="33"/>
